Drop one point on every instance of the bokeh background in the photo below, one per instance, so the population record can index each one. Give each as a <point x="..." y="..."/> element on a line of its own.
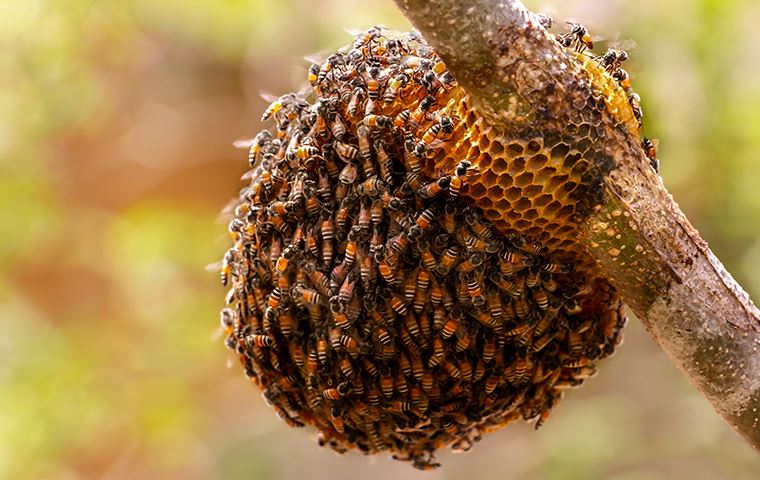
<point x="117" y="119"/>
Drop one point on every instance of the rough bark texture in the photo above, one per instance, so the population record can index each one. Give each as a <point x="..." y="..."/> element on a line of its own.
<point x="633" y="230"/>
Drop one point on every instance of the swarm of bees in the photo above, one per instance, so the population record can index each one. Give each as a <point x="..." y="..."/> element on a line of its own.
<point x="368" y="297"/>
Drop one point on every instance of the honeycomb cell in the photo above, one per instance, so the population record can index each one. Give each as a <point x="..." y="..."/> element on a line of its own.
<point x="560" y="151"/>
<point x="514" y="149"/>
<point x="513" y="194"/>
<point x="543" y="175"/>
<point x="499" y="165"/>
<point x="525" y="178"/>
<point x="477" y="190"/>
<point x="536" y="162"/>
<point x="534" y="146"/>
<point x="495" y="192"/>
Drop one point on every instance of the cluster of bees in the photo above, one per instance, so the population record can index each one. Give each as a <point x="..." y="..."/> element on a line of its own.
<point x="579" y="39"/>
<point x="367" y="298"/>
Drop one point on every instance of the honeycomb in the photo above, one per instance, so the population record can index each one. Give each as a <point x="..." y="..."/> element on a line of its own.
<point x="403" y="275"/>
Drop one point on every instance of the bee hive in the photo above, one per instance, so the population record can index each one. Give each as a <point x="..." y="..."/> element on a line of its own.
<point x="402" y="275"/>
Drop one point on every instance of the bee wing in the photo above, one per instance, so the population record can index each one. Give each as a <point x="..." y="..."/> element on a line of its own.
<point x="268" y="96"/>
<point x="214" y="267"/>
<point x="626" y="44"/>
<point x="318" y="57"/>
<point x="655" y="142"/>
<point x="243" y="143"/>
<point x="355" y="32"/>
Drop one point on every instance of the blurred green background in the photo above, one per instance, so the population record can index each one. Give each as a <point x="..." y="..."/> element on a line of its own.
<point x="116" y="125"/>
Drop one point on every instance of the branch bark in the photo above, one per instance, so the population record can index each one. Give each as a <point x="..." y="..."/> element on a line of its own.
<point x="516" y="73"/>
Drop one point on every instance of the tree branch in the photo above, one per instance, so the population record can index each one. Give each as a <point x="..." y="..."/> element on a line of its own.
<point x="519" y="79"/>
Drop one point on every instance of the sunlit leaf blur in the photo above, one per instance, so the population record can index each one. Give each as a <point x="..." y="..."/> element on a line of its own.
<point x="116" y="126"/>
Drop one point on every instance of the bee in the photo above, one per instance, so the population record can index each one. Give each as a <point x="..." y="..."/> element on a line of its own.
<point x="258" y="340"/>
<point x="365" y="39"/>
<point x="346" y="291"/>
<point x="460" y="173"/>
<point x="384" y="162"/>
<point x="284" y="260"/>
<point x="314" y="74"/>
<point x="339" y="316"/>
<point x="420" y="113"/>
<point x="398" y="304"/>
<point x="350" y="253"/>
<point x="386" y="382"/>
<point x="377" y="121"/>
<point x="438" y="353"/>
<point x="337" y="127"/>
<point x="578" y="37"/>
<point x="227" y="263"/>
<point x="544" y="20"/>
<point x="322" y="352"/>
<point x="622" y="77"/>
<point x="386" y="270"/>
<point x="373" y="84"/>
<point x="336" y="393"/>
<point x="273" y="108"/>
<point x="306" y="151"/>
<point x="650" y="148"/>
<point x="372" y="187"/>
<point x="355" y="101"/>
<point x="332" y="61"/>
<point x="422" y="223"/>
<point x="574" y="342"/>
<point x="474" y="289"/>
<point x="394" y="87"/>
<point x="434" y="188"/>
<point x="395" y="247"/>
<point x="346" y="152"/>
<point x="410" y="155"/>
<point x="635" y="101"/>
<point x="443" y="128"/>
<point x="326" y="229"/>
<point x="448" y="260"/>
<point x="339" y="340"/>
<point x="612" y="59"/>
<point x="305" y="296"/>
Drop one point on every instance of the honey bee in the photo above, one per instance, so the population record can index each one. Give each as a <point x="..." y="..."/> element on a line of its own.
<point x="622" y="77"/>
<point x="346" y="152"/>
<point x="410" y="155"/>
<point x="438" y="353"/>
<point x="635" y="101"/>
<point x="373" y="84"/>
<point x="314" y="74"/>
<point x="372" y="187"/>
<point x="227" y="263"/>
<point x="394" y="87"/>
<point x="384" y="162"/>
<point x="577" y="37"/>
<point x="443" y="128"/>
<point x="448" y="260"/>
<point x="273" y="109"/>
<point x="612" y="59"/>
<point x="258" y="340"/>
<point x="284" y="260"/>
<point x="326" y="229"/>
<point x="337" y="127"/>
<point x="332" y="61"/>
<point x="650" y="148"/>
<point x="306" y="151"/>
<point x="336" y="393"/>
<point x="460" y="173"/>
<point x="434" y="188"/>
<point x="354" y="103"/>
<point x="544" y="20"/>
<point x="377" y="121"/>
